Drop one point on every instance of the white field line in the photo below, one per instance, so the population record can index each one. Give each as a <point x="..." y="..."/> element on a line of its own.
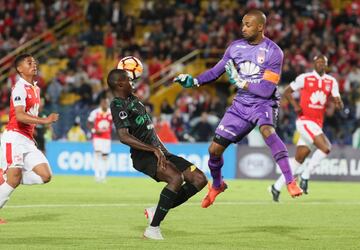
<point x="230" y="203"/>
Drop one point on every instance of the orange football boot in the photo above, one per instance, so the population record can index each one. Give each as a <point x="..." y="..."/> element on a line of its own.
<point x="212" y="193"/>
<point x="293" y="189"/>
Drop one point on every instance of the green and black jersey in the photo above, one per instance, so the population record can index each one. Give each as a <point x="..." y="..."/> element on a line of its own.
<point x="131" y="113"/>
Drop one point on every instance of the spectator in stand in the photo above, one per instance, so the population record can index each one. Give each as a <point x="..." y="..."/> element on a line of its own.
<point x="116" y="16"/>
<point x="4" y="96"/>
<point x="76" y="133"/>
<point x="216" y="107"/>
<point x="202" y="131"/>
<point x="164" y="131"/>
<point x="166" y="108"/>
<point x="109" y="42"/>
<point x="95" y="13"/>
<point x="301" y="30"/>
<point x="96" y="36"/>
<point x="178" y="125"/>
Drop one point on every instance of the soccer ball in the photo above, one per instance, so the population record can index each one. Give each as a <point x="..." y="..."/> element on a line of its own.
<point x="132" y="65"/>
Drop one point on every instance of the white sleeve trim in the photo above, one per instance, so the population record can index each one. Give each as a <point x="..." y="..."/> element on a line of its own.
<point x="18" y="96"/>
<point x="298" y="83"/>
<point x="335" y="88"/>
<point x="92" y="115"/>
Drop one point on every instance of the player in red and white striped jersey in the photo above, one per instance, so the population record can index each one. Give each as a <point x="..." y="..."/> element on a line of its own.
<point x="100" y="122"/>
<point x="315" y="88"/>
<point x="25" y="163"/>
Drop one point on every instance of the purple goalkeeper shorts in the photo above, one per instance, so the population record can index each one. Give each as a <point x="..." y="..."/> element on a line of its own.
<point x="240" y="119"/>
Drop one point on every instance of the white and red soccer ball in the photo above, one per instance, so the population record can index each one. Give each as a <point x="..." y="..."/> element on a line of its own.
<point x="132" y="65"/>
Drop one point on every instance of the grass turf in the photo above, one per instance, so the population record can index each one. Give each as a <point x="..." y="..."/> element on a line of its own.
<point x="74" y="212"/>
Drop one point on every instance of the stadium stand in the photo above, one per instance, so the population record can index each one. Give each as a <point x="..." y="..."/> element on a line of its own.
<point x="80" y="41"/>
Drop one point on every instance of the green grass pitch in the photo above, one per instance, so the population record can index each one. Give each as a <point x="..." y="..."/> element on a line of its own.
<point x="74" y="212"/>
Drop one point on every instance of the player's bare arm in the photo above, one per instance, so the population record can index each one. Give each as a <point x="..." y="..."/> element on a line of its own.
<point x="288" y="95"/>
<point x="162" y="146"/>
<point x="126" y="138"/>
<point x="91" y="126"/>
<point x="338" y="103"/>
<point x="24" y="117"/>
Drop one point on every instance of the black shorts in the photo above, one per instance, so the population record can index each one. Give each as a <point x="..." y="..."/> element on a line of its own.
<point x="146" y="162"/>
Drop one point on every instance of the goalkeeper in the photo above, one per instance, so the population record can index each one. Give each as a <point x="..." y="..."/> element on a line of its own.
<point x="253" y="65"/>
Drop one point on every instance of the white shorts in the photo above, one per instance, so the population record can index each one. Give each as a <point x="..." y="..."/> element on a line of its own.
<point x="20" y="152"/>
<point x="102" y="145"/>
<point x="308" y="130"/>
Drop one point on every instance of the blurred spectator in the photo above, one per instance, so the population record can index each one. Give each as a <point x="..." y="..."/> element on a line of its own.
<point x="202" y="131"/>
<point x="178" y="126"/>
<point x="4" y="96"/>
<point x="166" y="108"/>
<point x="216" y="107"/>
<point x="163" y="130"/>
<point x="286" y="129"/>
<point x="76" y="133"/>
<point x="41" y="129"/>
<point x="95" y="13"/>
<point x="109" y="42"/>
<point x="301" y="28"/>
<point x="115" y="15"/>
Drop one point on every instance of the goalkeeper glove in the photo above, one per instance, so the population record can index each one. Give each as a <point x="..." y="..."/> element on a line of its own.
<point x="186" y="80"/>
<point x="233" y="75"/>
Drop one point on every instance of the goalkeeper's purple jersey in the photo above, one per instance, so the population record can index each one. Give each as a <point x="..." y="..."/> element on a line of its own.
<point x="260" y="63"/>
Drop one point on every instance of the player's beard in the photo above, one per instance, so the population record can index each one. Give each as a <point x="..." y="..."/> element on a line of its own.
<point x="250" y="38"/>
<point x="321" y="72"/>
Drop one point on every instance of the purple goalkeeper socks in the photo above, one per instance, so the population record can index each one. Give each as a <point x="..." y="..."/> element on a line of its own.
<point x="281" y="156"/>
<point x="215" y="163"/>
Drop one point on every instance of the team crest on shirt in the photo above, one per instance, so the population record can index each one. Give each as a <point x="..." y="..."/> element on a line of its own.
<point x="18" y="158"/>
<point x="122" y="115"/>
<point x="327" y="87"/>
<point x="261" y="57"/>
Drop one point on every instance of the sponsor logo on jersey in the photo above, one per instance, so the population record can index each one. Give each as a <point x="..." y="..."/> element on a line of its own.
<point x="17" y="98"/>
<point x="104" y="125"/>
<point x="122" y="115"/>
<point x="318" y="100"/>
<point x="249" y="68"/>
<point x="222" y="128"/>
<point x="327" y="87"/>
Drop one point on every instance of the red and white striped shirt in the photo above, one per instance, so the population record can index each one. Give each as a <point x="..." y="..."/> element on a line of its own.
<point x="27" y="95"/>
<point x="102" y="123"/>
<point x="314" y="93"/>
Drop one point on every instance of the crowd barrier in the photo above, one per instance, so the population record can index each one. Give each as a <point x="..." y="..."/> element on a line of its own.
<point x="241" y="161"/>
<point x="342" y="164"/>
<point x="77" y="158"/>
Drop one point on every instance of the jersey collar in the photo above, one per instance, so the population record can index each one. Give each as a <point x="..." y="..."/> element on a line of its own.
<point x="23" y="81"/>
<point x="317" y="74"/>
